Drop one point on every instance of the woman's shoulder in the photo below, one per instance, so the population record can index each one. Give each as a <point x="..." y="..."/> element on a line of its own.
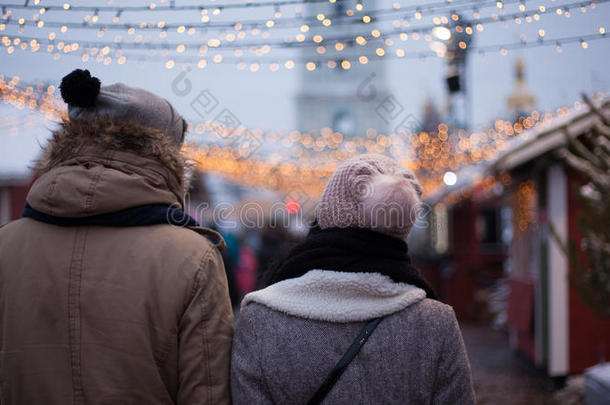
<point x="433" y="307"/>
<point x="254" y="310"/>
<point x="427" y="313"/>
<point x="256" y="315"/>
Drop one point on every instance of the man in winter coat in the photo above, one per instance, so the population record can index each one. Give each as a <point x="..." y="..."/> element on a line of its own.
<point x="109" y="292"/>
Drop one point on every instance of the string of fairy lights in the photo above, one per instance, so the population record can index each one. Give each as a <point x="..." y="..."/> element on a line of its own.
<point x="315" y="40"/>
<point x="417" y="10"/>
<point x="253" y="54"/>
<point x="344" y="62"/>
<point x="170" y="7"/>
<point x="349" y="16"/>
<point x="532" y="14"/>
<point x="306" y="159"/>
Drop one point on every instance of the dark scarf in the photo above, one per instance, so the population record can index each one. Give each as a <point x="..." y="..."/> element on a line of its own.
<point x="152" y="214"/>
<point x="350" y="250"/>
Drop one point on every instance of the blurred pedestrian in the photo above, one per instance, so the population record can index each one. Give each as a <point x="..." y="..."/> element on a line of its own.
<point x="275" y="243"/>
<point x="247" y="267"/>
<point x="350" y="284"/>
<point x="230" y="260"/>
<point x="109" y="292"/>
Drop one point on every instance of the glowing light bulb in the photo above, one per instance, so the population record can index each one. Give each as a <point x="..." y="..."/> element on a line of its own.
<point x="450" y="178"/>
<point x="442" y="33"/>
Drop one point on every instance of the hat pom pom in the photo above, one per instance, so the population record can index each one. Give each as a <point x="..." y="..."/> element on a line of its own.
<point x="80" y="89"/>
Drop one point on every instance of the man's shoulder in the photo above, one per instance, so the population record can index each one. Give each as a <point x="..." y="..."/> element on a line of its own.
<point x="181" y="237"/>
<point x="210" y="236"/>
<point x="199" y="246"/>
<point x="15" y="226"/>
<point x="182" y="240"/>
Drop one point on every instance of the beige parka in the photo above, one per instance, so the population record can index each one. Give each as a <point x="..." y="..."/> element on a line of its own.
<point x="111" y="315"/>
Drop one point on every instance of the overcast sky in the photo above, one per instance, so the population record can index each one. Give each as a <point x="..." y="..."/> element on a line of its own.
<point x="267" y="99"/>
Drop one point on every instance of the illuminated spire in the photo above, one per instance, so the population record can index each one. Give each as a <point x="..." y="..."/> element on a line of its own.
<point x="520" y="101"/>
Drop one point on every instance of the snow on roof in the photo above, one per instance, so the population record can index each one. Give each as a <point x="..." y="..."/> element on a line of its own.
<point x="549" y="136"/>
<point x="543" y="138"/>
<point x="22" y="133"/>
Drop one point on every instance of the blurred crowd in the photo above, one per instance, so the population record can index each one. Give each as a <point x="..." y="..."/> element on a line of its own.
<point x="250" y="253"/>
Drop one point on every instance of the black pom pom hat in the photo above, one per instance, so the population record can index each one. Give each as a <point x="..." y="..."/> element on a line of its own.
<point x="87" y="99"/>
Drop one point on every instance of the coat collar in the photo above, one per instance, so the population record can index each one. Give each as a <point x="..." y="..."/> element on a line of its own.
<point x="334" y="296"/>
<point x="100" y="167"/>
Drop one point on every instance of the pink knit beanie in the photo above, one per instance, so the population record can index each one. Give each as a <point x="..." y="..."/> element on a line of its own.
<point x="371" y="191"/>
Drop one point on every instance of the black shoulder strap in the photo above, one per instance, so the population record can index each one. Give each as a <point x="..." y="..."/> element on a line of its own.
<point x="347" y="358"/>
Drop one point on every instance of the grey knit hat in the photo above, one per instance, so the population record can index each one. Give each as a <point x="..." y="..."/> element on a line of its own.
<point x="86" y="99"/>
<point x="371" y="191"/>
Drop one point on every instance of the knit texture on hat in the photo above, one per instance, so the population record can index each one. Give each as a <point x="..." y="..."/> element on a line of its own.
<point x="87" y="100"/>
<point x="371" y="191"/>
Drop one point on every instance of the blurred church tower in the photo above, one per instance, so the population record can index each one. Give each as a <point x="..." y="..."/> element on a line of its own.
<point x="521" y="101"/>
<point x="343" y="97"/>
<point x="431" y="117"/>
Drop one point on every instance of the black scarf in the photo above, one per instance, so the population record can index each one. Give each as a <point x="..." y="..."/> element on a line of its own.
<point x="350" y="250"/>
<point x="152" y="214"/>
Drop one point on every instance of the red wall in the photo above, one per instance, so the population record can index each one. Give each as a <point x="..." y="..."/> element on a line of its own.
<point x="472" y="269"/>
<point x="589" y="336"/>
<point x="18" y="195"/>
<point x="589" y="333"/>
<point x="521" y="315"/>
<point x="458" y="289"/>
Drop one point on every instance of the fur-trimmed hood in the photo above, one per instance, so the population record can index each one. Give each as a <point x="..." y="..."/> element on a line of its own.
<point x="335" y="296"/>
<point x="100" y="166"/>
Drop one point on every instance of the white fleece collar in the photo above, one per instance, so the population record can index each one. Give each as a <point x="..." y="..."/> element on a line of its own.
<point x="337" y="296"/>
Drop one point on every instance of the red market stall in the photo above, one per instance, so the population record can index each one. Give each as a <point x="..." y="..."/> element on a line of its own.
<point x="533" y="193"/>
<point x="548" y="321"/>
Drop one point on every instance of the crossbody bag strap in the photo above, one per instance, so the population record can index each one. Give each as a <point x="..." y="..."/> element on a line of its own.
<point x="340" y="367"/>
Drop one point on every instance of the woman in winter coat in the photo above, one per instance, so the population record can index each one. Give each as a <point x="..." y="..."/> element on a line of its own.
<point x="349" y="281"/>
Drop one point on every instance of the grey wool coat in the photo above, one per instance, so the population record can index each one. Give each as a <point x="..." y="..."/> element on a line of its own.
<point x="290" y="335"/>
